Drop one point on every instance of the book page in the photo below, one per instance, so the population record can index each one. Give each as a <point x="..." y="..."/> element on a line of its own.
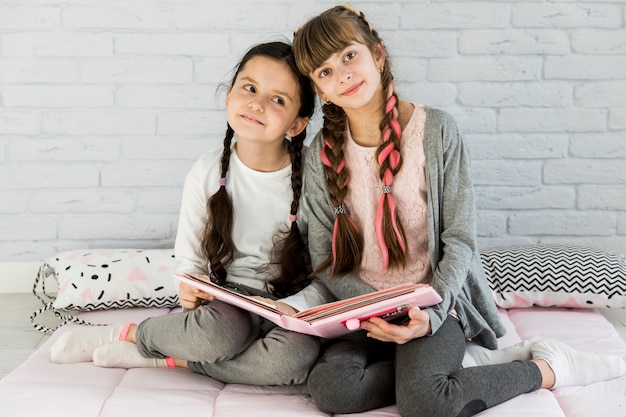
<point x="330" y="309"/>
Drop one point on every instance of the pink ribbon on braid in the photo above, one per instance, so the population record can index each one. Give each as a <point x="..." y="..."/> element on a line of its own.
<point x="341" y="166"/>
<point x="327" y="162"/>
<point x="389" y="152"/>
<point x="391" y="100"/>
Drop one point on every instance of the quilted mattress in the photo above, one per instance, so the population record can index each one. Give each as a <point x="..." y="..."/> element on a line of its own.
<point x="40" y="388"/>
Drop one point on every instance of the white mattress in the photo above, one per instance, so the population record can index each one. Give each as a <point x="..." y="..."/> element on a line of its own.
<point x="40" y="388"/>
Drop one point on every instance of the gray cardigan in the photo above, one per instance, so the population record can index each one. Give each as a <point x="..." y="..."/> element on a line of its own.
<point x="458" y="275"/>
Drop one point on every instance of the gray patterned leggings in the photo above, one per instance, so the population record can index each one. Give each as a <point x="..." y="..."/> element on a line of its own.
<point x="424" y="376"/>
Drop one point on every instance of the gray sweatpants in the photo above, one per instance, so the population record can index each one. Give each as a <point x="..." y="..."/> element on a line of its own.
<point x="229" y="344"/>
<point x="423" y="377"/>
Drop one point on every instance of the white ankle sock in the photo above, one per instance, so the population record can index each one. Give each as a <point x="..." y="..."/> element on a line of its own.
<point x="126" y="355"/>
<point x="476" y="355"/>
<point x="572" y="367"/>
<point x="79" y="345"/>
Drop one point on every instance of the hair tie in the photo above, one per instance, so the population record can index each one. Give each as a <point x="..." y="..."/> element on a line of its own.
<point x="340" y="209"/>
<point x="222" y="182"/>
<point x="386" y="189"/>
<point x="293" y="218"/>
<point x="357" y="12"/>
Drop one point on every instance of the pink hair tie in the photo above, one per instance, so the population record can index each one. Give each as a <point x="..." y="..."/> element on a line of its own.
<point x="222" y="182"/>
<point x="293" y="218"/>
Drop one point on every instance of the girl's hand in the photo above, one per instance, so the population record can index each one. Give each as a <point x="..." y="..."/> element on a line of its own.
<point x="418" y="326"/>
<point x="190" y="297"/>
<point x="286" y="309"/>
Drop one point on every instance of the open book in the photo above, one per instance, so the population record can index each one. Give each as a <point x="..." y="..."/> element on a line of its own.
<point x="332" y="319"/>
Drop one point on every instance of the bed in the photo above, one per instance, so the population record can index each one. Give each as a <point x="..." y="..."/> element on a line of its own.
<point x="38" y="387"/>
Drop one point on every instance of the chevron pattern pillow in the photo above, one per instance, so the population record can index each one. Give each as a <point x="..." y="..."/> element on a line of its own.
<point x="555" y="276"/>
<point x="104" y="279"/>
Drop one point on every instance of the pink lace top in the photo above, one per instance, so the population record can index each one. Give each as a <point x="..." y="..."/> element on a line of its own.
<point x="409" y="191"/>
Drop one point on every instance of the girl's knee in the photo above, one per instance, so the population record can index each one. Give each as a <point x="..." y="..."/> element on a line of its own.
<point x="328" y="394"/>
<point x="285" y="358"/>
<point x="344" y="386"/>
<point x="296" y="353"/>
<point x="218" y="332"/>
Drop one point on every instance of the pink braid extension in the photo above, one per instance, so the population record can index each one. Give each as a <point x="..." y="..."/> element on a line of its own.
<point x="389" y="152"/>
<point x="340" y="168"/>
<point x="327" y="162"/>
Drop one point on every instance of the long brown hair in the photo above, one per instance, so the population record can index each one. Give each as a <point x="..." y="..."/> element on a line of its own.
<point x="290" y="252"/>
<point x="319" y="38"/>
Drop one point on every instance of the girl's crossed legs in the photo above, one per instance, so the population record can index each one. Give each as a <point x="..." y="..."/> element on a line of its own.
<point x="215" y="339"/>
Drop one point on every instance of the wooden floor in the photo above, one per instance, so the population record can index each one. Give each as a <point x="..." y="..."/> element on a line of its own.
<point x="18" y="339"/>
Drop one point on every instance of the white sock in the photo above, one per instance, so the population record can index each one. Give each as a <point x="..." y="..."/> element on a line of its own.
<point x="125" y="355"/>
<point x="79" y="345"/>
<point x="572" y="367"/>
<point x="476" y="355"/>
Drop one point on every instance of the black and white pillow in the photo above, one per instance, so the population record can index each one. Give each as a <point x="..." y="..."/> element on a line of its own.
<point x="555" y="276"/>
<point x="101" y="279"/>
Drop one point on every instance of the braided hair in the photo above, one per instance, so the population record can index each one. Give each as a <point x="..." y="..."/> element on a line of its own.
<point x="290" y="252"/>
<point x="319" y="38"/>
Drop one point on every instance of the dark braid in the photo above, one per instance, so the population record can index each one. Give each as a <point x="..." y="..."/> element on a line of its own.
<point x="291" y="251"/>
<point x="217" y="240"/>
<point x="347" y="241"/>
<point x="295" y="154"/>
<point x="389" y="230"/>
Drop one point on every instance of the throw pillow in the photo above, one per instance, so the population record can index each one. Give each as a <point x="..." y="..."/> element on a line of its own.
<point x="555" y="276"/>
<point x="100" y="279"/>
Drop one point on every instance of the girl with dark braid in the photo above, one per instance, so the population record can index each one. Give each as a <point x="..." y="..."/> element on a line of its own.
<point x="391" y="201"/>
<point x="241" y="223"/>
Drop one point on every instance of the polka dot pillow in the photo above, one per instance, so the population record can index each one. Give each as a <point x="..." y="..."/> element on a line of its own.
<point x="104" y="279"/>
<point x="555" y="276"/>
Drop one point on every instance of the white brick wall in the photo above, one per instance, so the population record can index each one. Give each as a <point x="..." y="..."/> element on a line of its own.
<point x="104" y="106"/>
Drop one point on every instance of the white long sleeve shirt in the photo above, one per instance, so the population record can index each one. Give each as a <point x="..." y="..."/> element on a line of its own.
<point x="261" y="201"/>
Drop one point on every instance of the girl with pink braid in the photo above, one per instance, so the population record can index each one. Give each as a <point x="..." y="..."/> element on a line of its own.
<point x="391" y="201"/>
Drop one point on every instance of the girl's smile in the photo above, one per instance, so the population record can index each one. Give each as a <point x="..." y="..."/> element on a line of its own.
<point x="352" y="90"/>
<point x="251" y="119"/>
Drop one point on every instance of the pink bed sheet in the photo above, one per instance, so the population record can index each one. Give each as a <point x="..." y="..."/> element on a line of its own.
<point x="40" y="388"/>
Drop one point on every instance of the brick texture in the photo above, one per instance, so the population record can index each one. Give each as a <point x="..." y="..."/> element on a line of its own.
<point x="104" y="106"/>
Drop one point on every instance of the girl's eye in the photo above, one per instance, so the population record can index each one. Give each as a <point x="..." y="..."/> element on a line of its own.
<point x="323" y="73"/>
<point x="278" y="100"/>
<point x="249" y="88"/>
<point x="349" y="56"/>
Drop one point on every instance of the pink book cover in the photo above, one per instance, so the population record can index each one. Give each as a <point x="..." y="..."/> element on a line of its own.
<point x="332" y="319"/>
